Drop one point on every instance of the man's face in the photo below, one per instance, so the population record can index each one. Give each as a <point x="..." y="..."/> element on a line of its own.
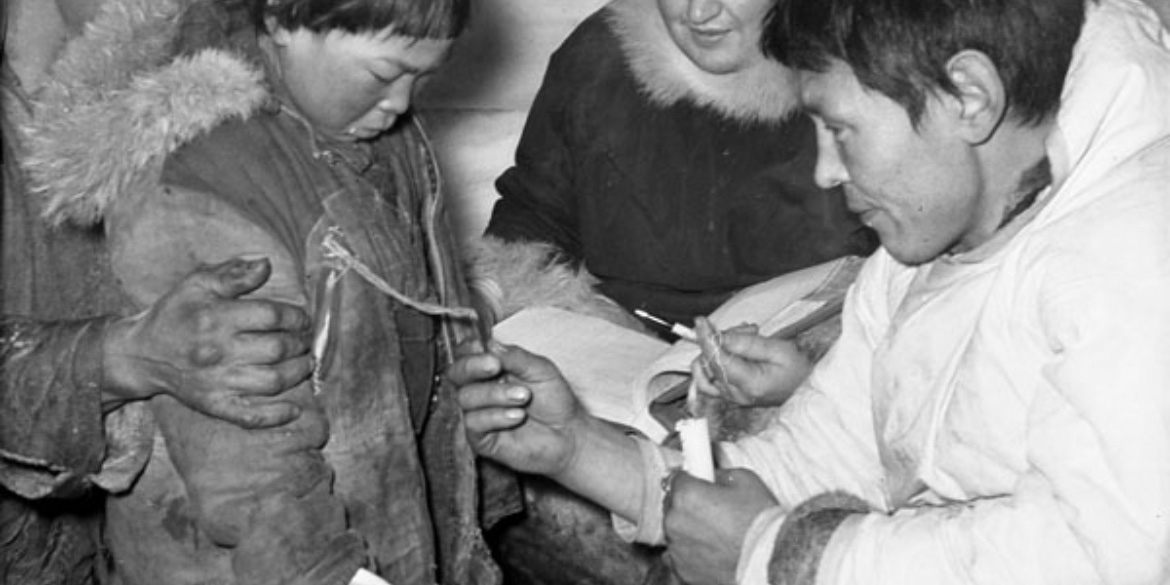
<point x="920" y="189"/>
<point x="719" y="36"/>
<point x="354" y="86"/>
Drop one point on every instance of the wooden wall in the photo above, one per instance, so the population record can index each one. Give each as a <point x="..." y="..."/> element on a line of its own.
<point x="475" y="107"/>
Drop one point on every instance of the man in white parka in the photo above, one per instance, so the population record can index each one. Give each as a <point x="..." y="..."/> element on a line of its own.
<point x="997" y="409"/>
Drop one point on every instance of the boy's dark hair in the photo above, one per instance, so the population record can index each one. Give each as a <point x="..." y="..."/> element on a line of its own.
<point x="423" y="19"/>
<point x="900" y="48"/>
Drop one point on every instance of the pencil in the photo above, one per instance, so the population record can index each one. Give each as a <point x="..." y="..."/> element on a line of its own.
<point x="676" y="328"/>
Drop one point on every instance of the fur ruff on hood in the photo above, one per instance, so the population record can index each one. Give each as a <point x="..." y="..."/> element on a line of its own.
<point x="118" y="101"/>
<point x="765" y="92"/>
<point x="510" y="276"/>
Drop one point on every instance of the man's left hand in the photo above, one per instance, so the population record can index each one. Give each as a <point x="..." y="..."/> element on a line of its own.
<point x="706" y="522"/>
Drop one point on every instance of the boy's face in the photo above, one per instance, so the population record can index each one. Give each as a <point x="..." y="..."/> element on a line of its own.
<point x="920" y="189"/>
<point x="354" y="86"/>
<point x="719" y="36"/>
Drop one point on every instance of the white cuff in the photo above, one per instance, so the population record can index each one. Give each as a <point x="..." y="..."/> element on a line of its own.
<point x="657" y="461"/>
<point x="756" y="552"/>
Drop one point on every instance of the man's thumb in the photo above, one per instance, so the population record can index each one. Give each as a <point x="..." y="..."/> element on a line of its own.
<point x="239" y="276"/>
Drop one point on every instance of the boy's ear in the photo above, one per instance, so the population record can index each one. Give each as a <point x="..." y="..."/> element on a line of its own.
<point x="979" y="93"/>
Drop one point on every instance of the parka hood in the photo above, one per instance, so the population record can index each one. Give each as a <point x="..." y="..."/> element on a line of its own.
<point x="765" y="92"/>
<point x="118" y="100"/>
<point x="1114" y="103"/>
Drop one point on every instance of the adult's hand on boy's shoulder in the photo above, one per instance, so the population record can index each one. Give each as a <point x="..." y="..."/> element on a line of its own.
<point x="215" y="352"/>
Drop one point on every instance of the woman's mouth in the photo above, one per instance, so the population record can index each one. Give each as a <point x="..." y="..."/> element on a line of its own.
<point x="708" y="36"/>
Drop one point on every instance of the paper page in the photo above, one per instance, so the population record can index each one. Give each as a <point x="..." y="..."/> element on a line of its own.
<point x="599" y="359"/>
<point x="772" y="304"/>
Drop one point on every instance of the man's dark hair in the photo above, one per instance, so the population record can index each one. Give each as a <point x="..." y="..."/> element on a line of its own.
<point x="423" y="19"/>
<point x="900" y="48"/>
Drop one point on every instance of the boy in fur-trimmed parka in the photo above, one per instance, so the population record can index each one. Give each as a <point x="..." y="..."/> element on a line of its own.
<point x="196" y="130"/>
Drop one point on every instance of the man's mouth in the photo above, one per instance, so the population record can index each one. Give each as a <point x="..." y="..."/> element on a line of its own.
<point x="865" y="212"/>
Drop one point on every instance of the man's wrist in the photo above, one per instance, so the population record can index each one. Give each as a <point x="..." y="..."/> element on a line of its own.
<point x="600" y="465"/>
<point x="579" y="431"/>
<point x="120" y="376"/>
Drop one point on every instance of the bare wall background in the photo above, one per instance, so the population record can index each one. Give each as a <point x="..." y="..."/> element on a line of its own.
<point x="475" y="107"/>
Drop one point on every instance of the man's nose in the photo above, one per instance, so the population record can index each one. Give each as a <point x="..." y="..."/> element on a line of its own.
<point x="830" y="171"/>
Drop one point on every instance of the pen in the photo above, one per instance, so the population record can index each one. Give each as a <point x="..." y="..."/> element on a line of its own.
<point x="676" y="328"/>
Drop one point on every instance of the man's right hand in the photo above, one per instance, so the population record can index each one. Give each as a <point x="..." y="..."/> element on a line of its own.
<point x="518" y="409"/>
<point x="218" y="354"/>
<point x="747" y="368"/>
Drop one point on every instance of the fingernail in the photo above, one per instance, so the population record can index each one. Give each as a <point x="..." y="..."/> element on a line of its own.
<point x="514" y="413"/>
<point x="517" y="394"/>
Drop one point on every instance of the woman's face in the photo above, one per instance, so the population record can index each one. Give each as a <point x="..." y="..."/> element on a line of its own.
<point x="354" y="86"/>
<point x="719" y="36"/>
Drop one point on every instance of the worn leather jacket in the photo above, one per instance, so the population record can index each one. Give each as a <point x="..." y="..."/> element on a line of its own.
<point x="376" y="472"/>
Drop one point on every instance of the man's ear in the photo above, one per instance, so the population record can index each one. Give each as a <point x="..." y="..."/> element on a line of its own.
<point x="979" y="94"/>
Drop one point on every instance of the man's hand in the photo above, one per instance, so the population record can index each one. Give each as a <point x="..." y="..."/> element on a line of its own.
<point x="220" y="355"/>
<point x="705" y="523"/>
<point x="746" y="368"/>
<point x="518" y="409"/>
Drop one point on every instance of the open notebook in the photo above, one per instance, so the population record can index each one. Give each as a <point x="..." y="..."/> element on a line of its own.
<point x="617" y="373"/>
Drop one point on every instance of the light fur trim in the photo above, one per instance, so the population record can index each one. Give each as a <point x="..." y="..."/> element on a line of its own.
<point x="516" y="275"/>
<point x="767" y="92"/>
<point x="114" y="107"/>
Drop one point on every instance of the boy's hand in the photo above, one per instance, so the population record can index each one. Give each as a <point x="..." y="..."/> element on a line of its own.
<point x="746" y="368"/>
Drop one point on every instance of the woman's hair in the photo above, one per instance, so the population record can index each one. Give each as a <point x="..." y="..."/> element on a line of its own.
<point x="900" y="48"/>
<point x="429" y="19"/>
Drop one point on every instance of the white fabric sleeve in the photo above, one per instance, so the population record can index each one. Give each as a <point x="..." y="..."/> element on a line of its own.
<point x="758" y="545"/>
<point x="657" y="461"/>
<point x="822" y="440"/>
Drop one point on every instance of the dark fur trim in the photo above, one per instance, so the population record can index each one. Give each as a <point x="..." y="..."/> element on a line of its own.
<point x="805" y="534"/>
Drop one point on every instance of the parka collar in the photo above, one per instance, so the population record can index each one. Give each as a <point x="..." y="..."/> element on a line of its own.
<point x="767" y="92"/>
<point x="121" y="97"/>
